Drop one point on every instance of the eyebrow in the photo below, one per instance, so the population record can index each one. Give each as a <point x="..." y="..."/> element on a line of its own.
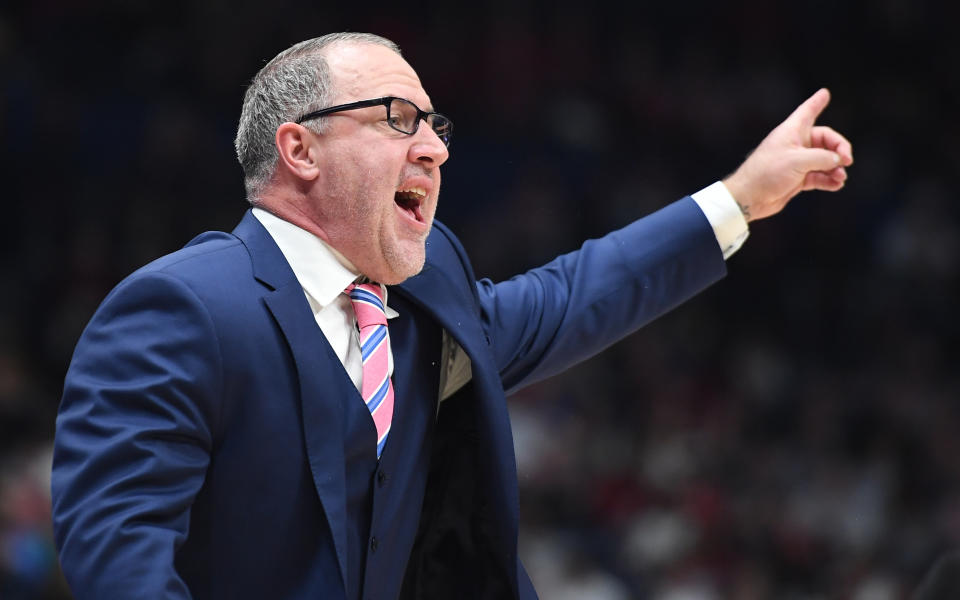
<point x="428" y="108"/>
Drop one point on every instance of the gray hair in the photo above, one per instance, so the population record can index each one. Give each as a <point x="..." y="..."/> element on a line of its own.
<point x="295" y="82"/>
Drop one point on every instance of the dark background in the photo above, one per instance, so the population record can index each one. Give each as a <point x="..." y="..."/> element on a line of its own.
<point x="790" y="433"/>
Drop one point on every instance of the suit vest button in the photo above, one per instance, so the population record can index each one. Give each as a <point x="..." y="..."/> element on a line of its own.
<point x="381" y="478"/>
<point x="374" y="543"/>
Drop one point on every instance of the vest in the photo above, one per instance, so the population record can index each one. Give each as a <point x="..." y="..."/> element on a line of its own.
<point x="385" y="498"/>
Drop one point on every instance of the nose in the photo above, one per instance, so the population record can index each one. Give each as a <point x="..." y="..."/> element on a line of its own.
<point x="427" y="148"/>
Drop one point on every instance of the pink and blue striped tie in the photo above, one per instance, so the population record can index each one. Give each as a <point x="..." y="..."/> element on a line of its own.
<point x="375" y="387"/>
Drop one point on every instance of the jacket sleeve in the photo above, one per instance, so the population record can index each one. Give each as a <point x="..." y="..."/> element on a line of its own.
<point x="552" y="317"/>
<point x="133" y="439"/>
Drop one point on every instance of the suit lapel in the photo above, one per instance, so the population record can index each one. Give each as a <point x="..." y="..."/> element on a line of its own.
<point x="319" y="373"/>
<point x="432" y="291"/>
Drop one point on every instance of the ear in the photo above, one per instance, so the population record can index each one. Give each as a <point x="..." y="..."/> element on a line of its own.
<point x="298" y="151"/>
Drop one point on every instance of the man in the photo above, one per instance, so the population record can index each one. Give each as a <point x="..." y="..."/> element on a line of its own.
<point x="217" y="437"/>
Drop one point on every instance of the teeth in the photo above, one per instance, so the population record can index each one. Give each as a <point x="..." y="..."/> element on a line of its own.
<point x="416" y="190"/>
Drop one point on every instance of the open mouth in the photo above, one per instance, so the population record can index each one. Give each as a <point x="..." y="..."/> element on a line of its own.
<point x="410" y="200"/>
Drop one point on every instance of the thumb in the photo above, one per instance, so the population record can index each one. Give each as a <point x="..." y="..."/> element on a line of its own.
<point x="815" y="159"/>
<point x="806" y="114"/>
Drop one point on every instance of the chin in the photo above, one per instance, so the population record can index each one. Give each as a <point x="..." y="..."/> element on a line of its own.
<point x="407" y="273"/>
<point x="399" y="269"/>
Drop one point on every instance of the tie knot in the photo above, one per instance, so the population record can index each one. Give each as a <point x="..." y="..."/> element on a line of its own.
<point x="367" y="299"/>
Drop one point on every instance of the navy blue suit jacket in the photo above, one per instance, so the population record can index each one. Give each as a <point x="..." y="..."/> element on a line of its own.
<point x="207" y="430"/>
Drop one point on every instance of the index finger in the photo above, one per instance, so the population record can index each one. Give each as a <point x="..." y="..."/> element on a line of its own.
<point x="822" y="136"/>
<point x="806" y="114"/>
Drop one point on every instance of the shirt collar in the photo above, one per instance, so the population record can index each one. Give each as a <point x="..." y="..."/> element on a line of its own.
<point x="323" y="272"/>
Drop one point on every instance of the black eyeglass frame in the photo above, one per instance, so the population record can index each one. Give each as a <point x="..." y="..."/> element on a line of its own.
<point x="386" y="101"/>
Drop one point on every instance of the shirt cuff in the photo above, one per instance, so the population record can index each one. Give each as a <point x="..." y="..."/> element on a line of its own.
<point x="724" y="215"/>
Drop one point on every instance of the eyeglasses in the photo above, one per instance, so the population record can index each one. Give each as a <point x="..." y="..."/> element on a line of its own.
<point x="402" y="115"/>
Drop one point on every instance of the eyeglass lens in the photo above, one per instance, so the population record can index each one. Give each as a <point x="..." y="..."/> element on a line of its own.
<point x="404" y="116"/>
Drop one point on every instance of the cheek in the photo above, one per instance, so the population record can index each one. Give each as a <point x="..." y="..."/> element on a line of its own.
<point x="367" y="180"/>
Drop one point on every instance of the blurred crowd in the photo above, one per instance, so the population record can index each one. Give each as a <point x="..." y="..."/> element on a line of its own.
<point x="790" y="433"/>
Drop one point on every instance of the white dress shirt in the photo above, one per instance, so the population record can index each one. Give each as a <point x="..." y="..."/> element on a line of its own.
<point x="725" y="216"/>
<point x="324" y="274"/>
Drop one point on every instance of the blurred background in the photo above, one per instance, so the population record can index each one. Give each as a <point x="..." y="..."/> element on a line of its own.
<point x="790" y="433"/>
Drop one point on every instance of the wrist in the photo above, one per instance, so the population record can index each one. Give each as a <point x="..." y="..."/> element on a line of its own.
<point x="738" y="192"/>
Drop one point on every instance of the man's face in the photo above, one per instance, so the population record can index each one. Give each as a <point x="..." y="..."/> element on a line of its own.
<point x="377" y="191"/>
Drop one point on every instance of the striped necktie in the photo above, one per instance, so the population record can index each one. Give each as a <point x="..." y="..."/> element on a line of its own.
<point x="376" y="387"/>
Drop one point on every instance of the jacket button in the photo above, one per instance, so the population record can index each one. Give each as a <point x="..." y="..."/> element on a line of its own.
<point x="381" y="477"/>
<point x="374" y="544"/>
